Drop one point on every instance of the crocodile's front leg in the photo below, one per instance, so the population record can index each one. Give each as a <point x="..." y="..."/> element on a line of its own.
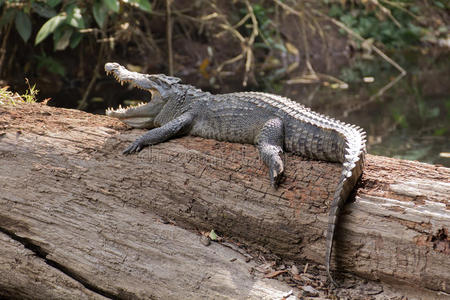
<point x="160" y="134"/>
<point x="270" y="146"/>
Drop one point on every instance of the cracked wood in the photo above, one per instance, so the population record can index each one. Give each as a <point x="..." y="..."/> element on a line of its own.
<point x="66" y="188"/>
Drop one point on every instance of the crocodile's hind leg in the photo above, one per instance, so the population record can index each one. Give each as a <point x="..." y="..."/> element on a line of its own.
<point x="160" y="134"/>
<point x="270" y="146"/>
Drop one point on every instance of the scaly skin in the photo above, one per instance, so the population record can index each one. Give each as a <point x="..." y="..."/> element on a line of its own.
<point x="273" y="123"/>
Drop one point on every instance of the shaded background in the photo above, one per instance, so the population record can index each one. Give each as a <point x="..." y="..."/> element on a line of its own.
<point x="342" y="58"/>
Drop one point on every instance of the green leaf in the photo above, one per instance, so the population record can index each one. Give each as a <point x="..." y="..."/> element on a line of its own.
<point x="62" y="36"/>
<point x="439" y="4"/>
<point x="348" y="20"/>
<point x="75" y="18"/>
<point x="213" y="236"/>
<point x="53" y="3"/>
<point x="335" y="11"/>
<point x="145" y="5"/>
<point x="43" y="10"/>
<point x="23" y="25"/>
<point x="112" y="5"/>
<point x="49" y="27"/>
<point x="100" y="13"/>
<point x="142" y="5"/>
<point x="75" y="39"/>
<point x="440" y="131"/>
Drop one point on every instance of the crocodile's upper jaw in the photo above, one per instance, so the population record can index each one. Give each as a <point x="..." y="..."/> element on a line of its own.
<point x="142" y="115"/>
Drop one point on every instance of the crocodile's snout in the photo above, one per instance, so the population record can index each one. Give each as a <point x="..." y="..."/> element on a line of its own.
<point x="142" y="115"/>
<point x="110" y="67"/>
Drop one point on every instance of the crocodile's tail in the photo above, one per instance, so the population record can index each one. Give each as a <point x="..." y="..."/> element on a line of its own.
<point x="352" y="170"/>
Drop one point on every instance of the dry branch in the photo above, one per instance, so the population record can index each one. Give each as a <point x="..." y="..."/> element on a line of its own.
<point x="67" y="190"/>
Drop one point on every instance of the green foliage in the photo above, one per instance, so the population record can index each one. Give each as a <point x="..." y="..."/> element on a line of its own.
<point x="50" y="64"/>
<point x="141" y="4"/>
<point x="440" y="131"/>
<point x="66" y="20"/>
<point x="267" y="30"/>
<point x="31" y="93"/>
<point x="23" y="25"/>
<point x="400" y="119"/>
<point x="112" y="5"/>
<point x="8" y="97"/>
<point x="213" y="235"/>
<point x="356" y="72"/>
<point x="100" y="13"/>
<point x="395" y="25"/>
<point x="49" y="27"/>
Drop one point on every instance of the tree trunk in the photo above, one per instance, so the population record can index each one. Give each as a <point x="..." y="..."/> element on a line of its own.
<point x="70" y="196"/>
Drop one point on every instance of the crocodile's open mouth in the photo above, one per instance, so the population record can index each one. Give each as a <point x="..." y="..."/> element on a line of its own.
<point x="141" y="115"/>
<point x="123" y="110"/>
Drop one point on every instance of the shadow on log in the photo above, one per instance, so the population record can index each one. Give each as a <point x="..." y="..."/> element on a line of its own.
<point x="68" y="192"/>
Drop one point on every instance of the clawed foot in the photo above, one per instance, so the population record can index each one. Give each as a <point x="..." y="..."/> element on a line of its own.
<point x="276" y="172"/>
<point x="135" y="147"/>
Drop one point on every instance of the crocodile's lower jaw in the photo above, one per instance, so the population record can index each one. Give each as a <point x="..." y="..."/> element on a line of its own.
<point x="132" y="116"/>
<point x="139" y="122"/>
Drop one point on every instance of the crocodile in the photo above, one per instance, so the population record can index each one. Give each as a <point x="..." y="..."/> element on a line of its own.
<point x="271" y="122"/>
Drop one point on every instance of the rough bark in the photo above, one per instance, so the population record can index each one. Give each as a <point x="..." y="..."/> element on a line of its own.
<point x="67" y="190"/>
<point x="25" y="276"/>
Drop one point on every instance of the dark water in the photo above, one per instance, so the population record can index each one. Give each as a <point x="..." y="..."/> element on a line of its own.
<point x="411" y="120"/>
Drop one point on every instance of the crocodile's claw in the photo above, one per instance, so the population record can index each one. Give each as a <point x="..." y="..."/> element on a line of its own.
<point x="135" y="147"/>
<point x="276" y="172"/>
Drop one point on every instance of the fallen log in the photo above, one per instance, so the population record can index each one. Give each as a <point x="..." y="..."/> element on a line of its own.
<point x="68" y="191"/>
<point x="25" y="276"/>
<point x="122" y="253"/>
<point x="65" y="235"/>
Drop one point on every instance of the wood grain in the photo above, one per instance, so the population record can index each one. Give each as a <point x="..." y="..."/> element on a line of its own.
<point x="67" y="189"/>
